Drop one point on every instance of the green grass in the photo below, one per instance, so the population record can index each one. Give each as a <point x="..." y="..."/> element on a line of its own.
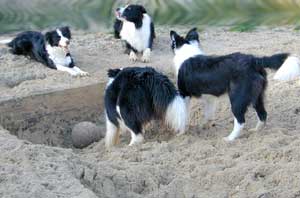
<point x="240" y="15"/>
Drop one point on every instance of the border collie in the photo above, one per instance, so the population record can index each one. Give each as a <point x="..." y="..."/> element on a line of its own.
<point x="50" y="49"/>
<point x="136" y="95"/>
<point x="135" y="27"/>
<point x="243" y="77"/>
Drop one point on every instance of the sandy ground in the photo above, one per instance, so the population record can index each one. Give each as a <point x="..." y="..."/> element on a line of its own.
<point x="199" y="164"/>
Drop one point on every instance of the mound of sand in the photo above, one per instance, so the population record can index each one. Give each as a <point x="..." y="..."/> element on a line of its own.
<point x="198" y="164"/>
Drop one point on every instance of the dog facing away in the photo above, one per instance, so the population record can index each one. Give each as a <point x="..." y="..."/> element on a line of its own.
<point x="135" y="96"/>
<point x="135" y="27"/>
<point x="243" y="77"/>
<point x="51" y="49"/>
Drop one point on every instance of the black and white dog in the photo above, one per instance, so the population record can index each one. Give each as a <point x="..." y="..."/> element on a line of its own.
<point x="242" y="76"/>
<point x="136" y="95"/>
<point x="50" y="49"/>
<point x="135" y="27"/>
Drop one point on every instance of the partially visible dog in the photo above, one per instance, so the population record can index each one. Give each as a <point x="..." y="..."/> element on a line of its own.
<point x="135" y="96"/>
<point x="135" y="27"/>
<point x="242" y="76"/>
<point x="51" y="49"/>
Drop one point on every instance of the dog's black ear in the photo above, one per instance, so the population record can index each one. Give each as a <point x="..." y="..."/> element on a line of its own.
<point x="66" y="31"/>
<point x="174" y="36"/>
<point x="143" y="10"/>
<point x="192" y="35"/>
<point x="48" y="37"/>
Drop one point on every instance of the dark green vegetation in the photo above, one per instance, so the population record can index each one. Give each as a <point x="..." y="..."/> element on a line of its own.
<point x="240" y="15"/>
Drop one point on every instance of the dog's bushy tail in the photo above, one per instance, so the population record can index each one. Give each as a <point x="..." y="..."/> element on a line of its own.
<point x="167" y="101"/>
<point x="6" y="42"/>
<point x="272" y="62"/>
<point x="288" y="66"/>
<point x="177" y="114"/>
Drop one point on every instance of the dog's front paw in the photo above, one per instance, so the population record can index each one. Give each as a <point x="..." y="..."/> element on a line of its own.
<point x="83" y="73"/>
<point x="132" y="56"/>
<point x="146" y="56"/>
<point x="80" y="74"/>
<point x="228" y="139"/>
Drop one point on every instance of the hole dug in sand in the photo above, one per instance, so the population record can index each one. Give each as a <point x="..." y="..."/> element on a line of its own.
<point x="49" y="118"/>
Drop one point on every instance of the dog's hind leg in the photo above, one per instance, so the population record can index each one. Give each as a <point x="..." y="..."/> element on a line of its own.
<point x="136" y="138"/>
<point x="239" y="106"/>
<point x="136" y="130"/>
<point x="210" y="106"/>
<point x="238" y="127"/>
<point x="112" y="134"/>
<point x="261" y="114"/>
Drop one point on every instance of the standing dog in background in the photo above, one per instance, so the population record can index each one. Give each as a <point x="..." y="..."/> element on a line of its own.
<point x="51" y="49"/>
<point x="243" y="77"/>
<point x="135" y="27"/>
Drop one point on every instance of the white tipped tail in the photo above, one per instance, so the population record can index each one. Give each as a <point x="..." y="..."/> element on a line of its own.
<point x="289" y="70"/>
<point x="176" y="115"/>
<point x="112" y="134"/>
<point x="5" y="41"/>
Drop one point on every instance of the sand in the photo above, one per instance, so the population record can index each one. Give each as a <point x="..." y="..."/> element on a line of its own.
<point x="198" y="164"/>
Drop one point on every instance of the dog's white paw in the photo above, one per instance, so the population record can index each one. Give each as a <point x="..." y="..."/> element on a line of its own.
<point x="146" y="55"/>
<point x="83" y="73"/>
<point x="136" y="139"/>
<point x="228" y="139"/>
<point x="260" y="126"/>
<point x="132" y="56"/>
<point x="80" y="74"/>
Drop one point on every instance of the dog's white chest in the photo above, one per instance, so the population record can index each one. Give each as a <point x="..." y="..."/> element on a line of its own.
<point x="137" y="38"/>
<point x="58" y="56"/>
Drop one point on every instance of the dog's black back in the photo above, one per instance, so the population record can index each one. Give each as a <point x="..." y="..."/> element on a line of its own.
<point x="33" y="44"/>
<point x="142" y="94"/>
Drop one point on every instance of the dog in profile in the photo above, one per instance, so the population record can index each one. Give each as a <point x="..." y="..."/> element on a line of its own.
<point x="51" y="49"/>
<point x="135" y="27"/>
<point x="134" y="96"/>
<point x="242" y="76"/>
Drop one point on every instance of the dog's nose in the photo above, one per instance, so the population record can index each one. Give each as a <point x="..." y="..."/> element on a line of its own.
<point x="118" y="9"/>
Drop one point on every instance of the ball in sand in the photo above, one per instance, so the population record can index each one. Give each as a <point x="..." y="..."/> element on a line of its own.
<point x="85" y="133"/>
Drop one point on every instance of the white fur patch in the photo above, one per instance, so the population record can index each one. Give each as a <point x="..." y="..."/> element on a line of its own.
<point x="136" y="138"/>
<point x="183" y="53"/>
<point x="146" y="55"/>
<point x="289" y="70"/>
<point x="137" y="38"/>
<point x="110" y="80"/>
<point x="111" y="135"/>
<point x="235" y="132"/>
<point x="176" y="115"/>
<point x="63" y="40"/>
<point x="132" y="56"/>
<point x="5" y="41"/>
<point x="58" y="55"/>
<point x="66" y="69"/>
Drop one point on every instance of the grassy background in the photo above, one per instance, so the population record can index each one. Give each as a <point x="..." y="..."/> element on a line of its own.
<point x="240" y="15"/>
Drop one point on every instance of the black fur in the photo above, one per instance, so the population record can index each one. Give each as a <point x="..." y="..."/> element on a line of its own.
<point x="242" y="76"/>
<point x="33" y="45"/>
<point x="133" y="13"/>
<point x="117" y="28"/>
<point x="142" y="94"/>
